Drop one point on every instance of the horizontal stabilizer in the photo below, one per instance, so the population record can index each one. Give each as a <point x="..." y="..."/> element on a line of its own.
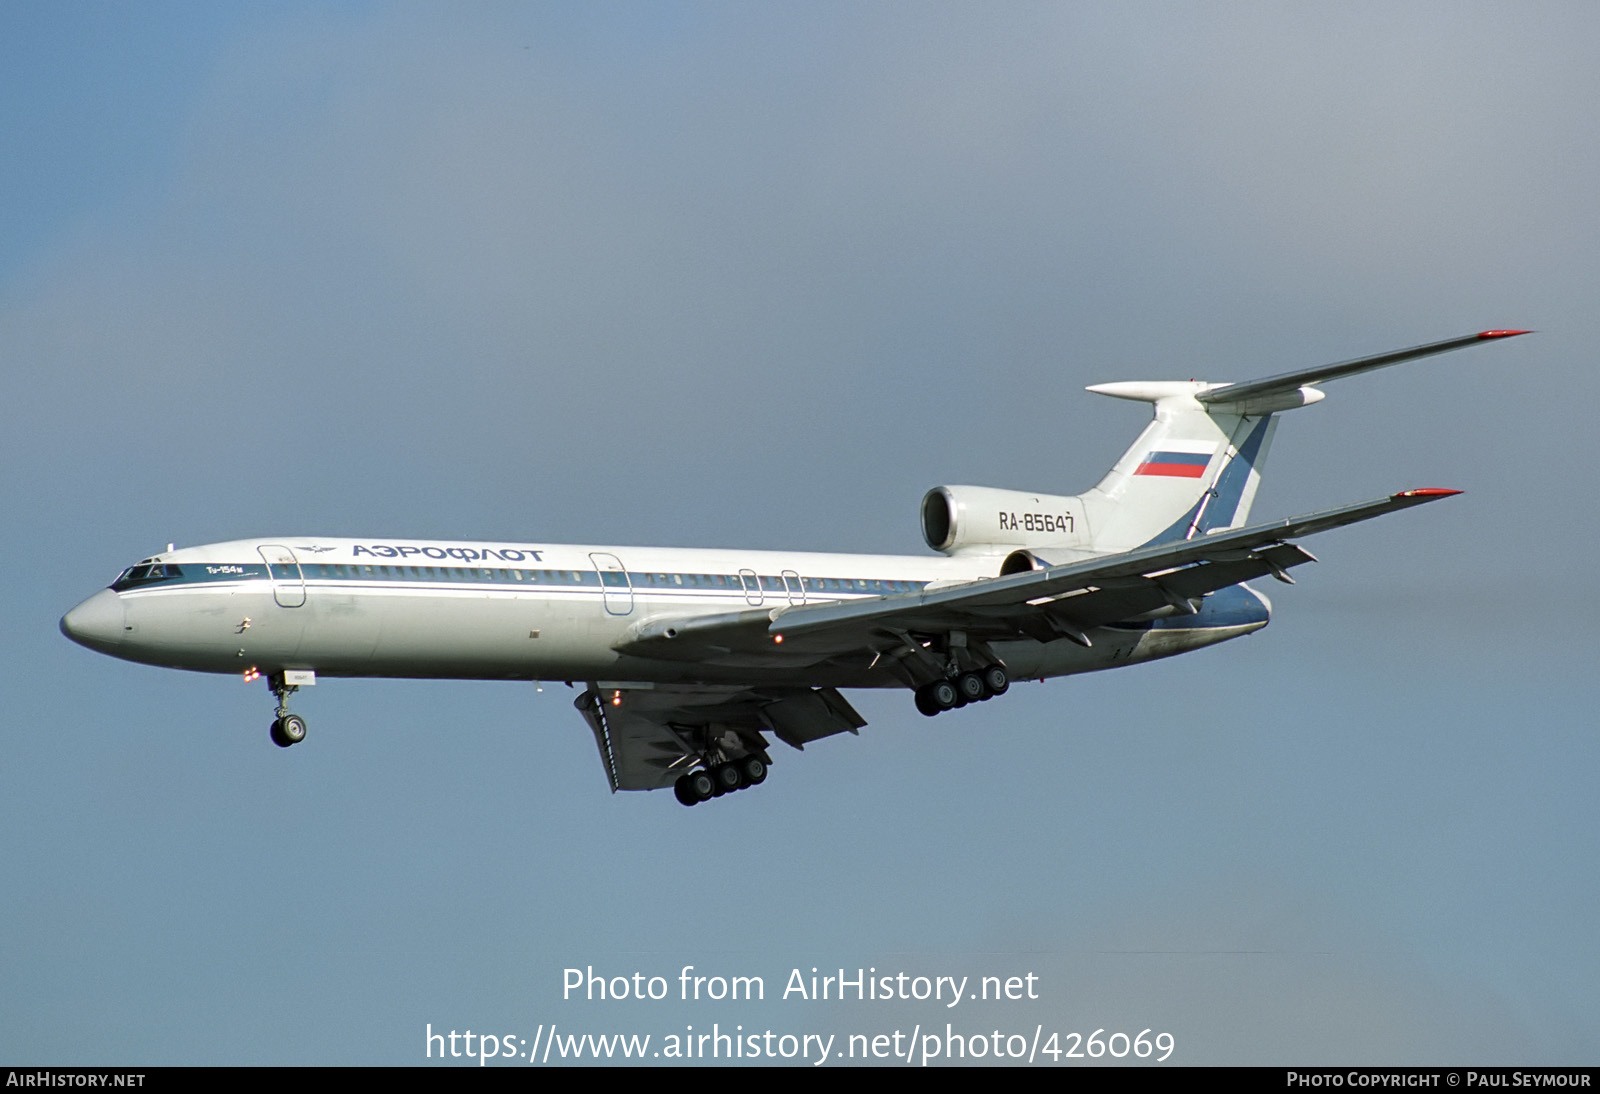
<point x="1289" y="381"/>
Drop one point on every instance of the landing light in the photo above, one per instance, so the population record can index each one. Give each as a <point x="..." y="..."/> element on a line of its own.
<point x="252" y="674"/>
<point x="616" y="698"/>
<point x="778" y="638"/>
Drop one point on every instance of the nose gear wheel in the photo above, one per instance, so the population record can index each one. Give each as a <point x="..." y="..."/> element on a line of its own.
<point x="287" y="729"/>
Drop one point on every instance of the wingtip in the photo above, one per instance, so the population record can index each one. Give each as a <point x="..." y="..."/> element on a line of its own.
<point x="1502" y="333"/>
<point x="1427" y="492"/>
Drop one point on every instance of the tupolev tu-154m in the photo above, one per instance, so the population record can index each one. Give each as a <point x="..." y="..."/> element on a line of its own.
<point x="690" y="659"/>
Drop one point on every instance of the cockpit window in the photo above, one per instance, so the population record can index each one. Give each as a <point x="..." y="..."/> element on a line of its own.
<point x="146" y="574"/>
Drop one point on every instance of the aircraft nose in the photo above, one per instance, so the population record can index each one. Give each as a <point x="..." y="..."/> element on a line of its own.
<point x="96" y="623"/>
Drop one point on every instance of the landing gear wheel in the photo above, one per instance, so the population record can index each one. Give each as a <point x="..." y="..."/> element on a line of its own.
<point x="754" y="769"/>
<point x="729" y="777"/>
<point x="684" y="792"/>
<point x="288" y="730"/>
<point x="943" y="694"/>
<point x="926" y="702"/>
<point x="971" y="687"/>
<point x="996" y="680"/>
<point x="700" y="785"/>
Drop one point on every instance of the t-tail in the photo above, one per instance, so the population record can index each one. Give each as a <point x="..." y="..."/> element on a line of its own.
<point x="1193" y="471"/>
<point x="1196" y="467"/>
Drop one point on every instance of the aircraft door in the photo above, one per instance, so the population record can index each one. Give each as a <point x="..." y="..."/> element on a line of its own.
<point x="794" y="588"/>
<point x="615" y="584"/>
<point x="288" y="582"/>
<point x="752" y="587"/>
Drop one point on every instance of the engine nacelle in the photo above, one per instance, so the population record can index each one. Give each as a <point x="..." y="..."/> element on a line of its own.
<point x="981" y="518"/>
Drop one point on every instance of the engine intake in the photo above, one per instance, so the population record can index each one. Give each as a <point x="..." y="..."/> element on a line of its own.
<point x="966" y="518"/>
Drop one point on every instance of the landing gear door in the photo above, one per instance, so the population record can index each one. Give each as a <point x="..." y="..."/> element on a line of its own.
<point x="288" y="582"/>
<point x="614" y="582"/>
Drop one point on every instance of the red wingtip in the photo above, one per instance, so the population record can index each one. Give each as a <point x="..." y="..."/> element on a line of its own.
<point x="1427" y="492"/>
<point x="1502" y="333"/>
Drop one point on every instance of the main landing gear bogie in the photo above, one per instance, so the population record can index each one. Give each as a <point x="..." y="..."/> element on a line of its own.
<point x="705" y="783"/>
<point x="962" y="688"/>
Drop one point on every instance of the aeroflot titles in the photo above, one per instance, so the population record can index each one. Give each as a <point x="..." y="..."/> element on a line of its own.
<point x="464" y="554"/>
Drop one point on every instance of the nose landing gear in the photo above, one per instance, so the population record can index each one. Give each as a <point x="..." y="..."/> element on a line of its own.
<point x="287" y="729"/>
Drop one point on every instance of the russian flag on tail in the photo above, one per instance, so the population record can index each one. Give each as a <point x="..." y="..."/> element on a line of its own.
<point x="1177" y="464"/>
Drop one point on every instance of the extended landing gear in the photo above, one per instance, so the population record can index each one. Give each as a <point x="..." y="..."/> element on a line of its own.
<point x="961" y="689"/>
<point x="706" y="783"/>
<point x="287" y="729"/>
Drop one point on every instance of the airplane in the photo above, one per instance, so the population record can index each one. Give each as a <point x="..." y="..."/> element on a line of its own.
<point x="690" y="658"/>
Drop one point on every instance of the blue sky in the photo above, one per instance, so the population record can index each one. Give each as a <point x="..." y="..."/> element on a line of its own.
<point x="730" y="275"/>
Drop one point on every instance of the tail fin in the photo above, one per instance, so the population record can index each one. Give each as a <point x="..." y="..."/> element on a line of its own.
<point x="1196" y="466"/>
<point x="1194" y="469"/>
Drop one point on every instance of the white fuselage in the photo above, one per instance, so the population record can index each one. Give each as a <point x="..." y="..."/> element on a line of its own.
<point x="434" y="609"/>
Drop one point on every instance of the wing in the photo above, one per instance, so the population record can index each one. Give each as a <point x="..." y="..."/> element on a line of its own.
<point x="1054" y="602"/>
<point x="649" y="735"/>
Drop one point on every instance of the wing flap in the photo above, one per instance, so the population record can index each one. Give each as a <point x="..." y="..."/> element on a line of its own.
<point x="1177" y="590"/>
<point x="811" y="716"/>
<point x="650" y="735"/>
